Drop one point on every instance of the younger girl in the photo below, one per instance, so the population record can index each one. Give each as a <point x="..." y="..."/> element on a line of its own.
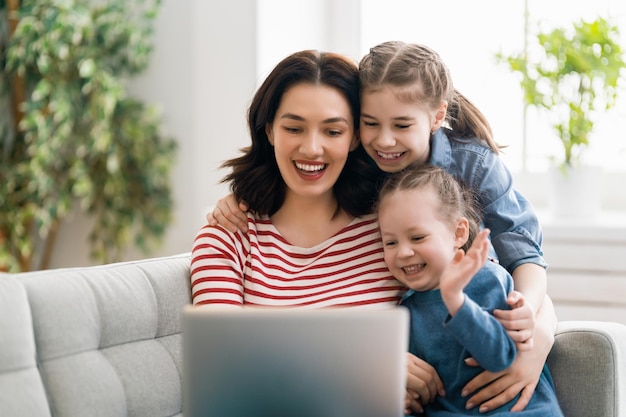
<point x="411" y="114"/>
<point x="428" y="223"/>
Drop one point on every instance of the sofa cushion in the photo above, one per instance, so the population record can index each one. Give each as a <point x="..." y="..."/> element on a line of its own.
<point x="108" y="337"/>
<point x="21" y="388"/>
<point x="589" y="358"/>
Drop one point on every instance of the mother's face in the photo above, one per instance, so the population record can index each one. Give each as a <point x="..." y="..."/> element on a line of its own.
<point x="312" y="134"/>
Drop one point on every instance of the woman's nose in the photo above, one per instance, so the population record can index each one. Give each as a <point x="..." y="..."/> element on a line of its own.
<point x="312" y="145"/>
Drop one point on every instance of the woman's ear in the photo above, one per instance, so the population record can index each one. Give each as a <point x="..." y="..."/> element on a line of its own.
<point x="440" y="116"/>
<point x="269" y="133"/>
<point x="461" y="234"/>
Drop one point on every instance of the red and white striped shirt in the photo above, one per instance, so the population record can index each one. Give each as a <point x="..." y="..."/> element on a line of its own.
<point x="261" y="268"/>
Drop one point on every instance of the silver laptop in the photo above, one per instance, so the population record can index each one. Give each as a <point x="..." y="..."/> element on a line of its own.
<point x="257" y="362"/>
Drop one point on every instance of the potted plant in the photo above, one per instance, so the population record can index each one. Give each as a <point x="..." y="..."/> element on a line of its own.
<point x="573" y="76"/>
<point x="71" y="138"/>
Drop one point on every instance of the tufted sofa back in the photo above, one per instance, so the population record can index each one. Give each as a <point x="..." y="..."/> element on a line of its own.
<point x="94" y="341"/>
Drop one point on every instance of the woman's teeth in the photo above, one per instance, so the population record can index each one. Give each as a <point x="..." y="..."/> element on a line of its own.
<point x="309" y="167"/>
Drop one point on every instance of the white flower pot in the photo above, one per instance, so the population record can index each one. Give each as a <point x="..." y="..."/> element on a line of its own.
<point x="576" y="194"/>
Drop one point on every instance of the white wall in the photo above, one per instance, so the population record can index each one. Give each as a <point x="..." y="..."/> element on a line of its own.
<point x="208" y="59"/>
<point x="202" y="75"/>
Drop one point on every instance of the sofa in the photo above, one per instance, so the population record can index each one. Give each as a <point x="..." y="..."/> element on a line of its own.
<point x="105" y="341"/>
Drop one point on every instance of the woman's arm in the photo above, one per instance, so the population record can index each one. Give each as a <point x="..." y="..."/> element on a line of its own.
<point x="216" y="273"/>
<point x="498" y="388"/>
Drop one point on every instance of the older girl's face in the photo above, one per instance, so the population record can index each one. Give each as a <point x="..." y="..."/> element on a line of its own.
<point x="312" y="134"/>
<point x="395" y="133"/>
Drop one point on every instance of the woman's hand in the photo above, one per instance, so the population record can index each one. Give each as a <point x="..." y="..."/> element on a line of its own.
<point x="422" y="385"/>
<point x="501" y="387"/>
<point x="519" y="321"/>
<point x="229" y="214"/>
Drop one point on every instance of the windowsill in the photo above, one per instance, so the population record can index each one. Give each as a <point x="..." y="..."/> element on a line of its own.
<point x="606" y="226"/>
<point x="609" y="224"/>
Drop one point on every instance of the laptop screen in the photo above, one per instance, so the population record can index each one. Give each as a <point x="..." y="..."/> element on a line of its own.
<point x="290" y="362"/>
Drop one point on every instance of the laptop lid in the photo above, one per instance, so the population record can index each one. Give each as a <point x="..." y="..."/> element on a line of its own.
<point x="294" y="363"/>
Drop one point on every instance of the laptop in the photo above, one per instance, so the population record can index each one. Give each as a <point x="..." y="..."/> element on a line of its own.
<point x="267" y="362"/>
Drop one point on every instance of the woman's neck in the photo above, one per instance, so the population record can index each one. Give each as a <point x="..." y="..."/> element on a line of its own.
<point x="308" y="222"/>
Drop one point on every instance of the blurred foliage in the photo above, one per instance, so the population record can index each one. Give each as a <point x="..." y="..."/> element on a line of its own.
<point x="575" y="75"/>
<point x="78" y="139"/>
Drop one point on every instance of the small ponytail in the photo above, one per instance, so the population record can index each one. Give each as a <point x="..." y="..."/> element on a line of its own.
<point x="466" y="120"/>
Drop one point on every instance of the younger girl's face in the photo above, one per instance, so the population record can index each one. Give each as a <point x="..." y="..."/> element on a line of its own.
<point x="395" y="133"/>
<point x="312" y="134"/>
<point x="418" y="243"/>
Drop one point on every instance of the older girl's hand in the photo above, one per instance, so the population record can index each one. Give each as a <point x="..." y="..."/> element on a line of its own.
<point x="519" y="321"/>
<point x="229" y="214"/>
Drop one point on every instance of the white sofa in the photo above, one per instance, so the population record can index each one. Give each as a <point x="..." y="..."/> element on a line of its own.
<point x="105" y="341"/>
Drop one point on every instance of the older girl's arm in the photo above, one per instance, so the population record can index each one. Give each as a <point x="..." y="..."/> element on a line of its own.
<point x="522" y="377"/>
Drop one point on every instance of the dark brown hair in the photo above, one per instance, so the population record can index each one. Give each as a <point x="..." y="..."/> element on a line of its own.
<point x="418" y="74"/>
<point x="455" y="200"/>
<point x="255" y="177"/>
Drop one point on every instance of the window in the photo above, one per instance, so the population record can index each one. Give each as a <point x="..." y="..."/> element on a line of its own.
<point x="468" y="35"/>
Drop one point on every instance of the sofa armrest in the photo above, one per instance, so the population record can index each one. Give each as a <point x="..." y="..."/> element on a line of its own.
<point x="588" y="364"/>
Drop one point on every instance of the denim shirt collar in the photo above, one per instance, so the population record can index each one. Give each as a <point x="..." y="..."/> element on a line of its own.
<point x="440" y="150"/>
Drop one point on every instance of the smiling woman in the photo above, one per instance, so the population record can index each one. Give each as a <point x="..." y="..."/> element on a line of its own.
<point x="303" y="159"/>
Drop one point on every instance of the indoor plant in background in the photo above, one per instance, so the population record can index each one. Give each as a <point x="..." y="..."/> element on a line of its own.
<point x="572" y="74"/>
<point x="74" y="140"/>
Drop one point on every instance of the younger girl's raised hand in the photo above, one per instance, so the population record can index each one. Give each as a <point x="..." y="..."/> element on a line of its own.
<point x="461" y="270"/>
<point x="229" y="214"/>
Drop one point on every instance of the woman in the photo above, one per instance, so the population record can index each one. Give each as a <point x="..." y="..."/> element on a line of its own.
<point x="312" y="240"/>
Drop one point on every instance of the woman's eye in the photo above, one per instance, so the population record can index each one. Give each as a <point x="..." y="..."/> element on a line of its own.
<point x="292" y="129"/>
<point x="334" y="133"/>
<point x="403" y="126"/>
<point x="370" y="124"/>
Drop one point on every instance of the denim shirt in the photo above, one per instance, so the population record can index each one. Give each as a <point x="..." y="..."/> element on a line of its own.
<point x="516" y="234"/>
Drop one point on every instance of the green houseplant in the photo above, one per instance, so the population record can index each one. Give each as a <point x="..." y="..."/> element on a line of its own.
<point x="73" y="138"/>
<point x="574" y="75"/>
